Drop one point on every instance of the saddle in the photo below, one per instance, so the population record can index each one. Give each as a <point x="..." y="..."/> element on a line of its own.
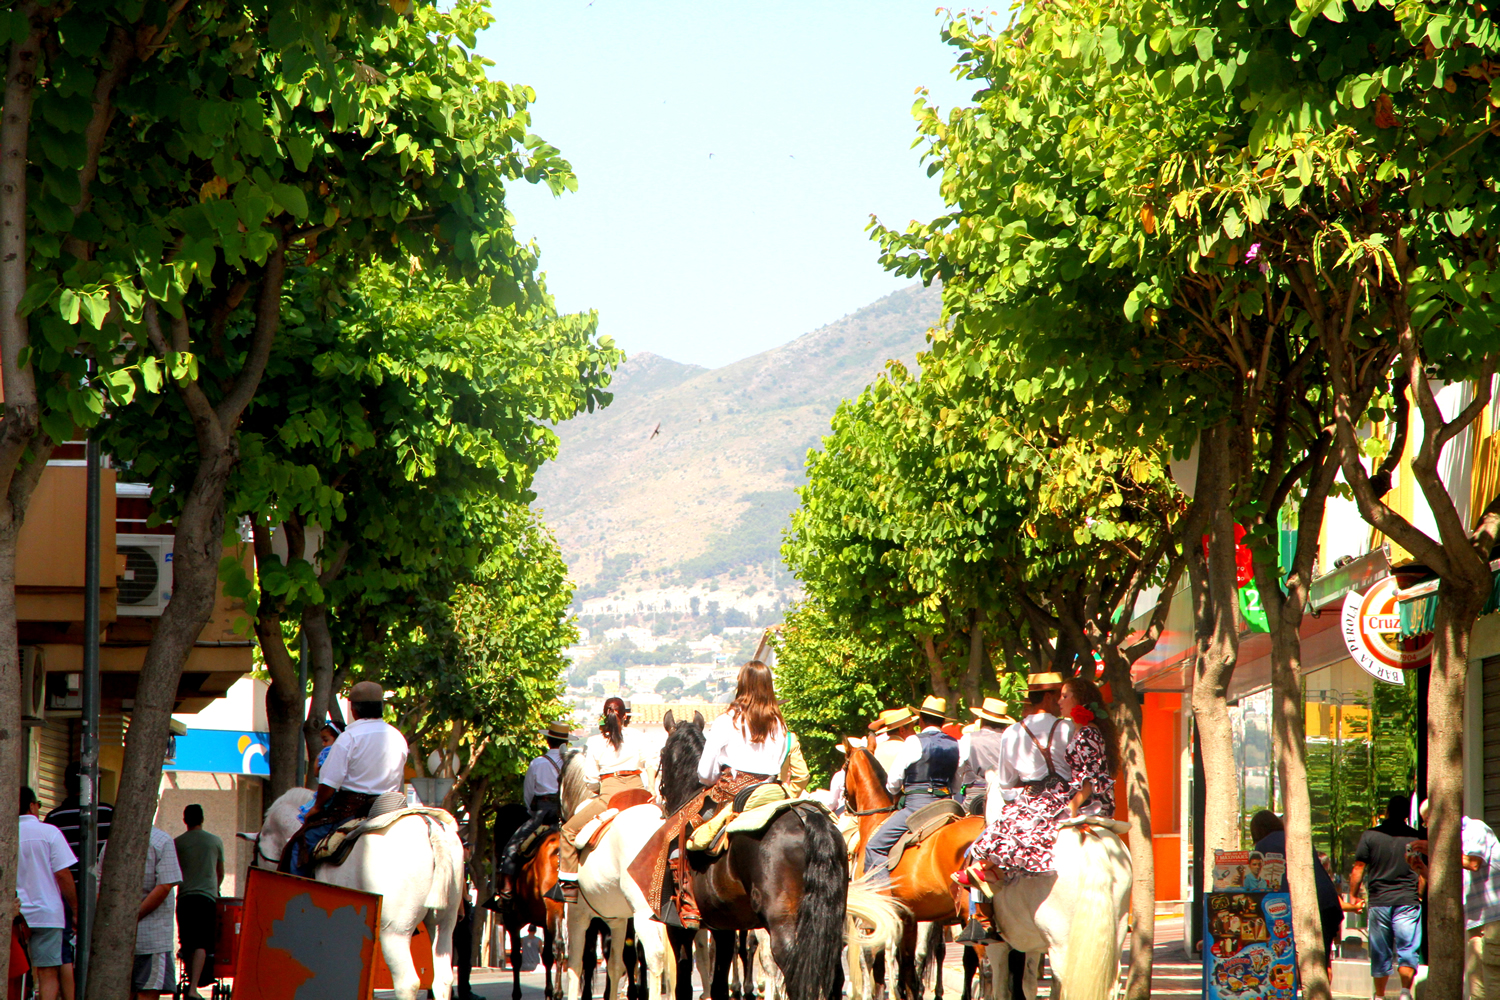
<point x="923" y="824"/>
<point x="532" y="842"/>
<point x="334" y="849"/>
<point x="752" y="809"/>
<point x="590" y="833"/>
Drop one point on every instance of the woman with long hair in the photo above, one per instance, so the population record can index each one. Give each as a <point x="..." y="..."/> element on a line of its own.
<point x="1094" y="751"/>
<point x="750" y="741"/>
<point x="613" y="760"/>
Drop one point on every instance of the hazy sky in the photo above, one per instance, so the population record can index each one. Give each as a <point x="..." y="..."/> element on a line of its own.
<point x="729" y="157"/>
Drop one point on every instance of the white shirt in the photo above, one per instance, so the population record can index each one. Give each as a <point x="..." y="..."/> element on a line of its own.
<point x="909" y="753"/>
<point x="834" y="797"/>
<point x="728" y="745"/>
<point x="369" y="757"/>
<point x="541" y="776"/>
<point x="1481" y="888"/>
<point x="1021" y="761"/>
<point x="886" y="751"/>
<point x="630" y="757"/>
<point x="43" y="852"/>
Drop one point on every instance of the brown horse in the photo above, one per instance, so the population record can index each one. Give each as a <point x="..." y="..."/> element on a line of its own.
<point x="529" y="905"/>
<point x="922" y="879"/>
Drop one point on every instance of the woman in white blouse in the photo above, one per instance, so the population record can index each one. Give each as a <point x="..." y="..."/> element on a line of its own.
<point x="749" y="740"/>
<point x="613" y="760"/>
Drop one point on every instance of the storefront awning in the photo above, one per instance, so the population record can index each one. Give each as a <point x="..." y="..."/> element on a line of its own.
<point x="221" y="751"/>
<point x="1418" y="603"/>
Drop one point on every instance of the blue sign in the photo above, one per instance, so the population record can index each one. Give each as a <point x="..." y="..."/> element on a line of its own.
<point x="222" y="751"/>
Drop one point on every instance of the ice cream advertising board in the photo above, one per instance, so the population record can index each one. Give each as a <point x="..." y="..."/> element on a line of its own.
<point x="1247" y="949"/>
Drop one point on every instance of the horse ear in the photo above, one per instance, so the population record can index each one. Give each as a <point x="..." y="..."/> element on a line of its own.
<point x="698" y="720"/>
<point x="246" y="836"/>
<point x="668" y="722"/>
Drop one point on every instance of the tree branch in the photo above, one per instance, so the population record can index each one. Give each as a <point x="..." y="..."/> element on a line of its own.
<point x="267" y="321"/>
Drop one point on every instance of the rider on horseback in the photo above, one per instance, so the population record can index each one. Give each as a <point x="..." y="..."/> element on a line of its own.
<point x="921" y="773"/>
<point x="539" y="792"/>
<point x="979" y="752"/>
<point x="366" y="761"/>
<point x="614" y="760"/>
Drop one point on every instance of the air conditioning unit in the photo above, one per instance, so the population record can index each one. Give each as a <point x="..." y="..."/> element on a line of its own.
<point x="145" y="584"/>
<point x="33" y="686"/>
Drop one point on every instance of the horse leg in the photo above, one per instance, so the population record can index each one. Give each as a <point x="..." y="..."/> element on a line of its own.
<point x="578" y="930"/>
<point x="515" y="958"/>
<point x="703" y="960"/>
<point x="440" y="933"/>
<point x="971" y="966"/>
<point x="614" y="968"/>
<point x="632" y="988"/>
<point x="908" y="986"/>
<point x="723" y="955"/>
<point x="395" y="946"/>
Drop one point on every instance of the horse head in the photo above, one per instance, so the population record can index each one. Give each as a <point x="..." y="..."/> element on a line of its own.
<point x="679" y="763"/>
<point x="280" y="823"/>
<point x="864" y="780"/>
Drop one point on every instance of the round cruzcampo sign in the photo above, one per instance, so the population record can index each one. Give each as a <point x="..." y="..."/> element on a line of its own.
<point x="1372" y="631"/>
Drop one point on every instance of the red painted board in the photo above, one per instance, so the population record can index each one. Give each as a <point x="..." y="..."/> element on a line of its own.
<point x="304" y="940"/>
<point x="231" y="919"/>
<point x="421" y="954"/>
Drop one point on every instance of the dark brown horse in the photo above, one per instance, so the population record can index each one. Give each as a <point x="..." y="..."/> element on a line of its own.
<point x="529" y="905"/>
<point x="922" y="879"/>
<point x="789" y="878"/>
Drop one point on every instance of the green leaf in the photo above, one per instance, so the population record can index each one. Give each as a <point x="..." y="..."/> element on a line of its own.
<point x="95" y="308"/>
<point x="291" y="199"/>
<point x="68" y="305"/>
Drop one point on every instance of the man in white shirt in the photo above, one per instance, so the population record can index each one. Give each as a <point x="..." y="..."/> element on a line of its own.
<point x="366" y="761"/>
<point x="896" y="726"/>
<point x="44" y="881"/>
<point x="979" y="754"/>
<point x="1022" y="760"/>
<point x="921" y="773"/>
<point x="539" y="790"/>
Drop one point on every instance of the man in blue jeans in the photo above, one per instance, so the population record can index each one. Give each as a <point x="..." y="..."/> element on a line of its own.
<point x="1393" y="904"/>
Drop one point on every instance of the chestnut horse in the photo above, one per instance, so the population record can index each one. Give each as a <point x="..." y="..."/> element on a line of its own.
<point x="922" y="879"/>
<point x="530" y="905"/>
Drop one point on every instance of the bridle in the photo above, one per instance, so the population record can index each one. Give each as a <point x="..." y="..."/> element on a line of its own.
<point x="849" y="801"/>
<point x="262" y="855"/>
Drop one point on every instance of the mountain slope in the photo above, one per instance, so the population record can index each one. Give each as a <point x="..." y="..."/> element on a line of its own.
<point x="688" y="476"/>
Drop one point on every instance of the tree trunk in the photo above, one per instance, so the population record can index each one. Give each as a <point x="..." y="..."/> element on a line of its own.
<point x="1217" y="642"/>
<point x="283" y="700"/>
<point x="320" y="671"/>
<point x="1456" y="613"/>
<point x="936" y="675"/>
<point x="197" y="548"/>
<point x="973" y="676"/>
<point x="1129" y="720"/>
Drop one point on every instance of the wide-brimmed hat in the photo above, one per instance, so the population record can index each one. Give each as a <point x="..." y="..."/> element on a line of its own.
<point x="561" y="730"/>
<point x="934" y="706"/>
<point x="1047" y="680"/>
<point x="895" y="718"/>
<point x="857" y="742"/>
<point x="993" y="709"/>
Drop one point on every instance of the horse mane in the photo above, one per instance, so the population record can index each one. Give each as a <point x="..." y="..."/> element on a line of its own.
<point x="678" y="776"/>
<point x="876" y="766"/>
<point x="572" y="784"/>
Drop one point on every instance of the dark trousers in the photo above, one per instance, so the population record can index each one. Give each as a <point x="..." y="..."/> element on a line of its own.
<point x="883" y="839"/>
<point x="463" y="949"/>
<point x="341" y="807"/>
<point x="545" y="812"/>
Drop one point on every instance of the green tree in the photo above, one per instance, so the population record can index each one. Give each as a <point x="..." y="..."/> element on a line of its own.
<point x="669" y="686"/>
<point x="333" y="139"/>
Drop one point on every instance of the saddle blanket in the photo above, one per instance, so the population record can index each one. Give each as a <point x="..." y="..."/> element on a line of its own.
<point x="760" y="803"/>
<point x="334" y="848"/>
<point x="589" y="834"/>
<point x="924" y="823"/>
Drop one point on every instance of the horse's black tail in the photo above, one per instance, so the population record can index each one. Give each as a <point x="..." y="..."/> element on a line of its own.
<point x="814" y="963"/>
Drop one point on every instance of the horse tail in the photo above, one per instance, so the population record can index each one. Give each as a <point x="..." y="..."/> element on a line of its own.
<point x="447" y="868"/>
<point x="820" y="915"/>
<point x="1093" y="959"/>
<point x="875" y="918"/>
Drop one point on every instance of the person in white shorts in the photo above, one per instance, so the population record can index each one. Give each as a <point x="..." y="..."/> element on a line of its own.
<point x="44" y="881"/>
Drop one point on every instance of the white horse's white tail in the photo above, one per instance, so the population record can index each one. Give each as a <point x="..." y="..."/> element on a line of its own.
<point x="447" y="871"/>
<point x="1093" y="959"/>
<point x="874" y="919"/>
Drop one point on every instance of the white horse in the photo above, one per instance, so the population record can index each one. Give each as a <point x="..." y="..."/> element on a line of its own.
<point x="1075" y="914"/>
<point x="415" y="865"/>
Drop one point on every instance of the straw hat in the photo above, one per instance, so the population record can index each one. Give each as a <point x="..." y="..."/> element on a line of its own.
<point x="561" y="730"/>
<point x="895" y="718"/>
<point x="934" y="706"/>
<point x="993" y="709"/>
<point x="857" y="742"/>
<point x="1044" y="681"/>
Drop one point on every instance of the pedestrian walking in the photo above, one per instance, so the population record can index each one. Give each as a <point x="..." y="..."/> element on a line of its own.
<point x="68" y="817"/>
<point x="200" y="857"/>
<point x="44" y="881"/>
<point x="1481" y="869"/>
<point x="1392" y="900"/>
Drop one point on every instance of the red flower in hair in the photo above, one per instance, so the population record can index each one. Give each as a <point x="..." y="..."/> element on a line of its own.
<point x="1082" y="715"/>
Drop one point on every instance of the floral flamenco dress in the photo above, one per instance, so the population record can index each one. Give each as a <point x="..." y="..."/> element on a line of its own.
<point x="1021" y="840"/>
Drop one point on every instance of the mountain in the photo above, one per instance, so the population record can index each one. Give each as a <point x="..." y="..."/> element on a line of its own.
<point x="684" y="483"/>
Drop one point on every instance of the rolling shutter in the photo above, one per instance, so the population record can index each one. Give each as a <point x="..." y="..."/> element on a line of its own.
<point x="1490" y="738"/>
<point x="56" y="752"/>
